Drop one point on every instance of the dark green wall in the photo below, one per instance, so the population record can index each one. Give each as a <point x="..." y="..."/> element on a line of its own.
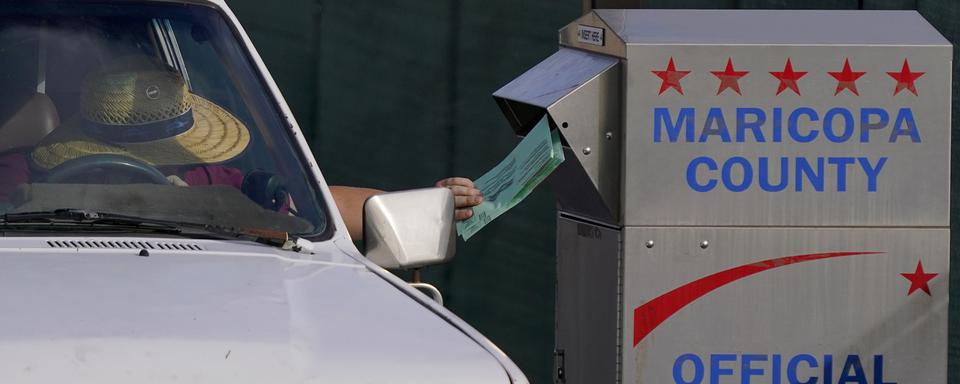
<point x="395" y="94"/>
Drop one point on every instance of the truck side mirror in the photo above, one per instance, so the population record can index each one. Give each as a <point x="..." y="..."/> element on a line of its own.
<point x="410" y="229"/>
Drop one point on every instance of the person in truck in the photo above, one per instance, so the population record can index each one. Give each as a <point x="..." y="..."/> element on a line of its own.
<point x="138" y="118"/>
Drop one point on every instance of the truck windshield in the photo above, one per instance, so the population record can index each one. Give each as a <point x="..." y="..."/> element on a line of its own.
<point x="144" y="110"/>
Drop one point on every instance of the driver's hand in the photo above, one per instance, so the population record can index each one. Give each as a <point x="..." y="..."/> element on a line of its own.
<point x="465" y="195"/>
<point x="176" y="180"/>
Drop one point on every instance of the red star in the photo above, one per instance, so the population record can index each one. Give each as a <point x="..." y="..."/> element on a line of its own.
<point x="905" y="79"/>
<point x="729" y="78"/>
<point x="671" y="77"/>
<point x="846" y="79"/>
<point x="788" y="78"/>
<point x="918" y="279"/>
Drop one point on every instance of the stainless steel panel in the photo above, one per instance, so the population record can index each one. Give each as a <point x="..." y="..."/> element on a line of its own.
<point x="587" y="301"/>
<point x="613" y="44"/>
<point x="911" y="190"/>
<point x="576" y="194"/>
<point x="725" y="283"/>
<point x="582" y="93"/>
<point x="555" y="77"/>
<point x="769" y="27"/>
<point x="846" y="305"/>
<point x="590" y="122"/>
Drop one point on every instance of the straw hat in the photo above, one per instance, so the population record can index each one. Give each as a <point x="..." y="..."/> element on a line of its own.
<point x="146" y="115"/>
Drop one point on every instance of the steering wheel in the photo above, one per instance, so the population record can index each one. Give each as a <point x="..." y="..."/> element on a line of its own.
<point x="81" y="168"/>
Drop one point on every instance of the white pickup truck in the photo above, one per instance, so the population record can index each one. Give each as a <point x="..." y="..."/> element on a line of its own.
<point x="162" y="219"/>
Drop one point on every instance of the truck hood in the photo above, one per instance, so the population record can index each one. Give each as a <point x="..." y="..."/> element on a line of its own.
<point x="217" y="312"/>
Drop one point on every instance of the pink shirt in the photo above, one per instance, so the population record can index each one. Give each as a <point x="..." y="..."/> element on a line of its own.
<point x="214" y="175"/>
<point x="13" y="172"/>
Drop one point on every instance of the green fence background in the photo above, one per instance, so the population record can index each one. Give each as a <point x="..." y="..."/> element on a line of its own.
<point x="395" y="94"/>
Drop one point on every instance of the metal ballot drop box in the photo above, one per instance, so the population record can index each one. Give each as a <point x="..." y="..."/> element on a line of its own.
<point x="748" y="196"/>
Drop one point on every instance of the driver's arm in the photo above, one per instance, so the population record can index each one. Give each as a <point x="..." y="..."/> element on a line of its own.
<point x="350" y="201"/>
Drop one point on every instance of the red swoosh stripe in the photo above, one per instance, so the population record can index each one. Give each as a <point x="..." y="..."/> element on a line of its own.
<point x="648" y="316"/>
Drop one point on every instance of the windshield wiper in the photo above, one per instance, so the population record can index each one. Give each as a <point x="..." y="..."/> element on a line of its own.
<point x="74" y="219"/>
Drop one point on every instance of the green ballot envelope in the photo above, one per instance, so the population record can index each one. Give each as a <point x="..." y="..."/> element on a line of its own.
<point x="507" y="184"/>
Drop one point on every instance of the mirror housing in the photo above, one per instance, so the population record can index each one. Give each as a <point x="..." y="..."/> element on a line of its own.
<point x="410" y="229"/>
